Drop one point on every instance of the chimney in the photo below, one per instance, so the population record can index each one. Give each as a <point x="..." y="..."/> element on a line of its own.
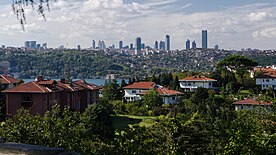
<point x="62" y="80"/>
<point x="39" y="78"/>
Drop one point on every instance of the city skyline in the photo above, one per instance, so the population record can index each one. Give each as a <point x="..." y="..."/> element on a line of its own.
<point x="231" y="25"/>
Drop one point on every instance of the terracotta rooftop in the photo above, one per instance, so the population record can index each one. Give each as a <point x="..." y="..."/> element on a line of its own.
<point x="7" y="80"/>
<point x="267" y="72"/>
<point x="251" y="102"/>
<point x="140" y="85"/>
<point x="163" y="92"/>
<point x="86" y="85"/>
<point x="46" y="82"/>
<point x="197" y="78"/>
<point x="30" y="87"/>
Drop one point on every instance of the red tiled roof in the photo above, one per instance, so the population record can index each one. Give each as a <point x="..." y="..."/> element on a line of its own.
<point x="86" y="85"/>
<point x="69" y="86"/>
<point x="46" y="82"/>
<point x="141" y="85"/>
<point x="7" y="80"/>
<point x="251" y="102"/>
<point x="197" y="78"/>
<point x="164" y="92"/>
<point x="30" y="87"/>
<point x="267" y="72"/>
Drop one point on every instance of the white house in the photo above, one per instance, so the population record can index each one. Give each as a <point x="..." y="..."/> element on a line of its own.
<point x="168" y="96"/>
<point x="190" y="84"/>
<point x="132" y="91"/>
<point x="267" y="79"/>
<point x="249" y="104"/>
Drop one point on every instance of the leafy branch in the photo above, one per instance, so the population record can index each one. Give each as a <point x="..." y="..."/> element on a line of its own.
<point x="18" y="7"/>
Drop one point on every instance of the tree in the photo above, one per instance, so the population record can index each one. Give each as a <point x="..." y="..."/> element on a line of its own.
<point x="152" y="99"/>
<point x="97" y="121"/>
<point x="112" y="91"/>
<point x="239" y="64"/>
<point x="19" y="6"/>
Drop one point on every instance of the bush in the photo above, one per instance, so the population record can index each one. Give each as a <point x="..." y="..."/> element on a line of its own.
<point x="119" y="107"/>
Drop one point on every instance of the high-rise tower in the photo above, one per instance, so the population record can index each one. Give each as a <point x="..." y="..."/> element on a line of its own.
<point x="167" y="43"/>
<point x="188" y="44"/>
<point x="204" y="39"/>
<point x="138" y="46"/>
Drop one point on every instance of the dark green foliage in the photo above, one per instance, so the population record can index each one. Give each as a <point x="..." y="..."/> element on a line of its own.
<point x="152" y="99"/>
<point x="112" y="90"/>
<point x="97" y="121"/>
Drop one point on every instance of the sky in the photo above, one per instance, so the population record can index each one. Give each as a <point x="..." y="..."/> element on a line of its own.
<point x="232" y="24"/>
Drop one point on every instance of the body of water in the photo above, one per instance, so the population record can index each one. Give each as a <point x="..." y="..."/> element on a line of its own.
<point x="99" y="82"/>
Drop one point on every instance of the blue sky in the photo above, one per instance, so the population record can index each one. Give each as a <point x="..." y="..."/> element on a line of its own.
<point x="232" y="24"/>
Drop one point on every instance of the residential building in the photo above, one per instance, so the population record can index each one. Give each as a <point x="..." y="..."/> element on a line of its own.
<point x="249" y="104"/>
<point x="192" y="83"/>
<point x="132" y="91"/>
<point x="266" y="77"/>
<point x="40" y="95"/>
<point x="204" y="39"/>
<point x="7" y="82"/>
<point x="168" y="96"/>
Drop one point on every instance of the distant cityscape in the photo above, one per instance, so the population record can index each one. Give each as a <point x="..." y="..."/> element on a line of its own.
<point x="137" y="48"/>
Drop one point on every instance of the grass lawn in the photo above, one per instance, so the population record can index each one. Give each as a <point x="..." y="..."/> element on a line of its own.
<point x="122" y="121"/>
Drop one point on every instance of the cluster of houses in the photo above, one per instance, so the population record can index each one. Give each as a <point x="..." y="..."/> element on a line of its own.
<point x="41" y="94"/>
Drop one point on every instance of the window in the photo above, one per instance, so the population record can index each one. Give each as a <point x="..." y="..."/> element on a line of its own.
<point x="26" y="101"/>
<point x="133" y="91"/>
<point x="267" y="80"/>
<point x="173" y="98"/>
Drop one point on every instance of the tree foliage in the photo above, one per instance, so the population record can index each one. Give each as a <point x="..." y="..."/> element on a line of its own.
<point x="18" y="7"/>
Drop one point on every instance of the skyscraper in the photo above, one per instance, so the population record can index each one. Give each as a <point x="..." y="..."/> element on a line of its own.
<point x="79" y="47"/>
<point x="216" y="47"/>
<point x="138" y="45"/>
<point x="120" y="44"/>
<point x="156" y="45"/>
<point x="143" y="46"/>
<point x="100" y="44"/>
<point x="194" y="45"/>
<point x="161" y="45"/>
<point x="204" y="39"/>
<point x="131" y="46"/>
<point x="167" y="43"/>
<point x="93" y="44"/>
<point x="188" y="44"/>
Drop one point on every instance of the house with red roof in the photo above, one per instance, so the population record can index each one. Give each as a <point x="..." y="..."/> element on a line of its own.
<point x="249" y="104"/>
<point x="191" y="83"/>
<point x="168" y="96"/>
<point x="7" y="82"/>
<point x="40" y="95"/>
<point x="267" y="77"/>
<point x="132" y="91"/>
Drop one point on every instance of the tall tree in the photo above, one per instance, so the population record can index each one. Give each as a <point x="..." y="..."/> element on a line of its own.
<point x="239" y="64"/>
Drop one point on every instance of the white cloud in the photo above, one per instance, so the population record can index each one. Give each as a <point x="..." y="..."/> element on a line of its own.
<point x="259" y="16"/>
<point x="78" y="22"/>
<point x="269" y="33"/>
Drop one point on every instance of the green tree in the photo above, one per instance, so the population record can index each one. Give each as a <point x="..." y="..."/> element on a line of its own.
<point x="239" y="64"/>
<point x="97" y="121"/>
<point x="152" y="99"/>
<point x="112" y="91"/>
